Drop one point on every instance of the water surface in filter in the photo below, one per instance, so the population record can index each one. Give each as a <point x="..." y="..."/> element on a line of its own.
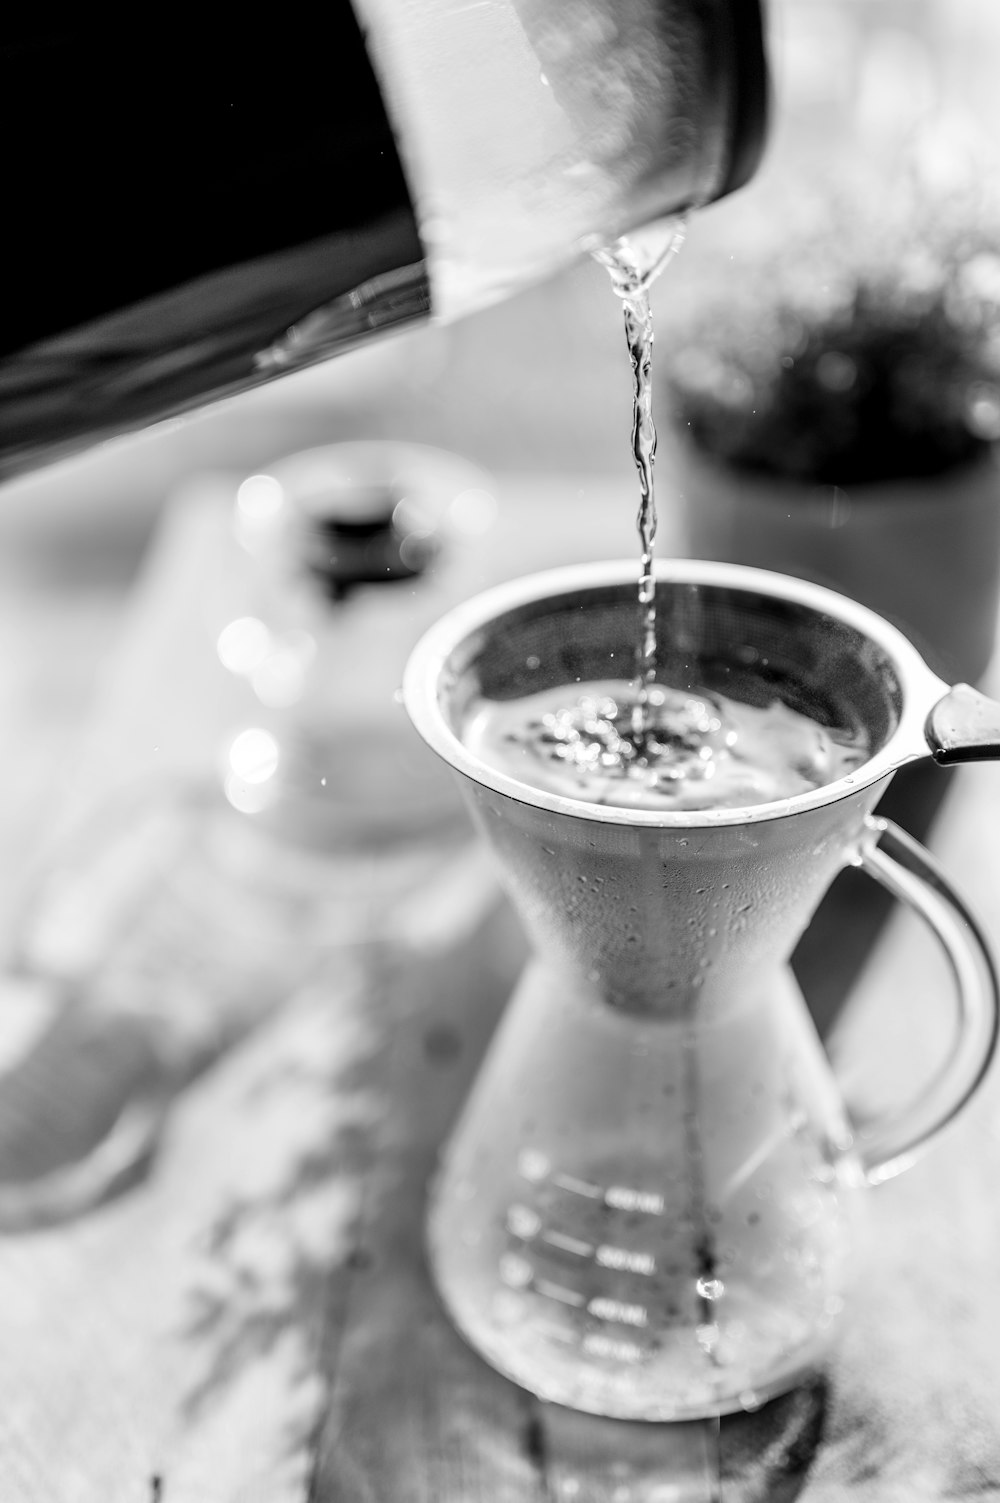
<point x="696" y="749"/>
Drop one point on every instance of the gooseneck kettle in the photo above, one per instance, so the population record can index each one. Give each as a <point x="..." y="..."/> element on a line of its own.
<point x="197" y="204"/>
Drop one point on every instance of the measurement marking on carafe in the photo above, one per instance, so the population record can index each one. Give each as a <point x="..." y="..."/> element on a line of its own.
<point x="625" y="1198"/>
<point x="577" y="1186"/>
<point x="569" y="1244"/>
<point x="621" y="1259"/>
<point x="618" y="1310"/>
<point x="548" y="1290"/>
<point x="600" y="1345"/>
<point x="555" y="1333"/>
<point x="619" y="1197"/>
<point x="625" y="1259"/>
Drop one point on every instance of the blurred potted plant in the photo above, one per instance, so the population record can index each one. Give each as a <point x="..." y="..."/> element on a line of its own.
<point x="833" y="412"/>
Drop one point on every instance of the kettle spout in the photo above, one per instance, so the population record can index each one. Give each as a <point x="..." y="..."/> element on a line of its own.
<point x="964" y="726"/>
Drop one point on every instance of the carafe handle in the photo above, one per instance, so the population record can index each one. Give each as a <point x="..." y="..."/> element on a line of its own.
<point x="910" y="874"/>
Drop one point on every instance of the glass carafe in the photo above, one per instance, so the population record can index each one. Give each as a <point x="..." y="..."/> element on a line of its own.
<point x="649" y="1205"/>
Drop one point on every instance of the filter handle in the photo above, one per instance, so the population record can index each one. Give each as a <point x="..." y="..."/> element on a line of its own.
<point x="964" y="726"/>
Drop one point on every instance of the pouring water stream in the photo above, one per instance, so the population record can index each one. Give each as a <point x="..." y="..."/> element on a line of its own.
<point x="634" y="262"/>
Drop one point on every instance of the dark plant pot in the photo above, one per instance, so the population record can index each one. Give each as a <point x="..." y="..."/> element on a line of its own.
<point x="925" y="554"/>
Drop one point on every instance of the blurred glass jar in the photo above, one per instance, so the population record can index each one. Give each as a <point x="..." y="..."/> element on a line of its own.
<point x="355" y="549"/>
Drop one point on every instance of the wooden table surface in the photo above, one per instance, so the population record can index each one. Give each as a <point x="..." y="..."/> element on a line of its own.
<point x="247" y="1318"/>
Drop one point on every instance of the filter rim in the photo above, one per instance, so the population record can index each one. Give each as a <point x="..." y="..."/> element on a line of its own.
<point x="428" y="669"/>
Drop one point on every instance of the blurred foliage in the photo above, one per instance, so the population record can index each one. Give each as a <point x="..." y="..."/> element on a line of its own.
<point x="863" y="347"/>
